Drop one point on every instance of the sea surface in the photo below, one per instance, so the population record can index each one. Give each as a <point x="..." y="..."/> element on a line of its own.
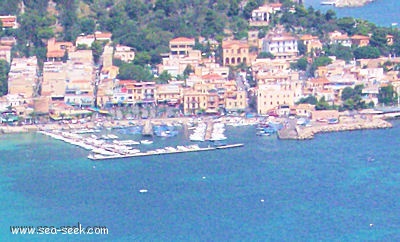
<point x="381" y="12"/>
<point x="341" y="186"/>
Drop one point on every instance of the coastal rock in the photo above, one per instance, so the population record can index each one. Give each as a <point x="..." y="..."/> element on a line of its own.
<point x="351" y="3"/>
<point x="309" y="132"/>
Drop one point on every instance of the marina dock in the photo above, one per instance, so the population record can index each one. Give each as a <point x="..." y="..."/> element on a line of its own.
<point x="179" y="149"/>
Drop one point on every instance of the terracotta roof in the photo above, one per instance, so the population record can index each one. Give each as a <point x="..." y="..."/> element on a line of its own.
<point x="360" y="37"/>
<point x="229" y="44"/>
<point x="212" y="76"/>
<point x="320" y="80"/>
<point x="182" y="39"/>
<point x="55" y="53"/>
<point x="103" y="35"/>
<point x="308" y="37"/>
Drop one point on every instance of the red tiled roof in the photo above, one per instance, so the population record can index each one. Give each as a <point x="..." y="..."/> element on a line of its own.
<point x="359" y="37"/>
<point x="321" y="80"/>
<point x="212" y="76"/>
<point x="182" y="39"/>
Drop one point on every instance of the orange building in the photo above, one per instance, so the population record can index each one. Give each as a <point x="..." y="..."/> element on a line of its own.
<point x="181" y="45"/>
<point x="359" y="40"/>
<point x="56" y="50"/>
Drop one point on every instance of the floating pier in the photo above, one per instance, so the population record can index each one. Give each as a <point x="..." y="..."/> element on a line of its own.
<point x="179" y="149"/>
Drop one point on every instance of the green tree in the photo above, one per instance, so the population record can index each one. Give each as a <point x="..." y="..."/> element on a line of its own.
<point x="129" y="71"/>
<point x="87" y="25"/>
<point x="347" y="93"/>
<point x="263" y="55"/>
<point x="322" y="104"/>
<point x="387" y="95"/>
<point x="309" y="99"/>
<point x="300" y="64"/>
<point x="97" y="51"/>
<point x="367" y="52"/>
<point x="4" y="69"/>
<point x="233" y="8"/>
<point x="164" y="77"/>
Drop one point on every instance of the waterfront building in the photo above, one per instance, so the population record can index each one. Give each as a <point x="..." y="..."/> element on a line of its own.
<point x="304" y="110"/>
<point x="235" y="52"/>
<point x="54" y="80"/>
<point x="270" y="96"/>
<point x="134" y="92"/>
<point x="23" y="77"/>
<point x="80" y="78"/>
<point x="212" y="94"/>
<point x="282" y="45"/>
<point x="168" y="93"/>
<point x="105" y="91"/>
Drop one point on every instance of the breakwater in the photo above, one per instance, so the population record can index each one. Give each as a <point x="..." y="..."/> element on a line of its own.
<point x="347" y="125"/>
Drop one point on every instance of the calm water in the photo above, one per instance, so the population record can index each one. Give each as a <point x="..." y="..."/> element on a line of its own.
<point x="380" y="12"/>
<point x="327" y="189"/>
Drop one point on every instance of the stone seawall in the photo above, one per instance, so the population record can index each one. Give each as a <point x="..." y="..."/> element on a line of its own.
<point x="309" y="132"/>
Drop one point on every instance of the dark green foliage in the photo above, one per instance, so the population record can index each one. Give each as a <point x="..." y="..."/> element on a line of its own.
<point x="352" y="98"/>
<point x="300" y="64"/>
<point x="9" y="7"/>
<point x="309" y="99"/>
<point x="366" y="52"/>
<point x="129" y="71"/>
<point x="4" y="69"/>
<point x="164" y="77"/>
<point x="341" y="52"/>
<point x="322" y="104"/>
<point x="301" y="47"/>
<point x="387" y="95"/>
<point x="97" y="50"/>
<point x="265" y="55"/>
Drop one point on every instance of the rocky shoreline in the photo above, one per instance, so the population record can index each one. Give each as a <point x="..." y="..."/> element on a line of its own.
<point x="351" y="3"/>
<point x="304" y="133"/>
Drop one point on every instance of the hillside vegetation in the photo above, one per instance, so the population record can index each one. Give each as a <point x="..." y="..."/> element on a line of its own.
<point x="148" y="25"/>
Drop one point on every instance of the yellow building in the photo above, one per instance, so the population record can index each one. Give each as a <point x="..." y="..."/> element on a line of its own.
<point x="235" y="52"/>
<point x="271" y="96"/>
<point x="23" y="78"/>
<point x="54" y="80"/>
<point x="168" y="93"/>
<point x="311" y="42"/>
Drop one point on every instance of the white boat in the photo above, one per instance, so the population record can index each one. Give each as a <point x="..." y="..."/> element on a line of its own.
<point x="146" y="142"/>
<point x="332" y="3"/>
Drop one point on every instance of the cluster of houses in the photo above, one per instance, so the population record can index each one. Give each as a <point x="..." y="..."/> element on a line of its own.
<point x="71" y="81"/>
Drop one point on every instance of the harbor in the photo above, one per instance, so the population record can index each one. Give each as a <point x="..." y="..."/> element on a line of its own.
<point x="103" y="145"/>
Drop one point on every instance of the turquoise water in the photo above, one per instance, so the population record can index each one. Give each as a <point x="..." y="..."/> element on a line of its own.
<point x="380" y="12"/>
<point x="327" y="189"/>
